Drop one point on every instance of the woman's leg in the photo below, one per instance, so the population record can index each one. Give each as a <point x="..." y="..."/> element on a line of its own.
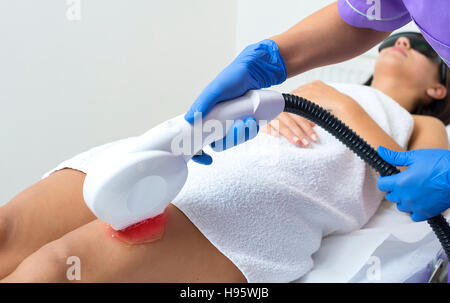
<point x="183" y="254"/>
<point x="40" y="214"/>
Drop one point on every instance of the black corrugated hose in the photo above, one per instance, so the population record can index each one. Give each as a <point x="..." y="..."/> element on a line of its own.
<point x="313" y="112"/>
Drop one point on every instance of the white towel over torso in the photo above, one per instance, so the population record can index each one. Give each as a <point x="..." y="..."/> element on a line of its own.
<point x="266" y="204"/>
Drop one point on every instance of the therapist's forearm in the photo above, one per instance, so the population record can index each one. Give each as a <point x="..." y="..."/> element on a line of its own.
<point x="321" y="39"/>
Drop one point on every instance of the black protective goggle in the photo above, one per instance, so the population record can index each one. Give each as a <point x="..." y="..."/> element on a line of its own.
<point x="418" y="43"/>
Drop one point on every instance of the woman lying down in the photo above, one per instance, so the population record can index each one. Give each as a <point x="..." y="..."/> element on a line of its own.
<point x="259" y="212"/>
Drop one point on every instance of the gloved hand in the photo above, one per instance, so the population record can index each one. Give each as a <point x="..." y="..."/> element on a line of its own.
<point x="239" y="132"/>
<point x="423" y="190"/>
<point x="259" y="65"/>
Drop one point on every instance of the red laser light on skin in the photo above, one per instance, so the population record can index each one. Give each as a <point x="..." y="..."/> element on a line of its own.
<point x="146" y="231"/>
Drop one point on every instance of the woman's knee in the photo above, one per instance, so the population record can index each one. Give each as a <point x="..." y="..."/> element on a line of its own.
<point x="11" y="253"/>
<point x="47" y="264"/>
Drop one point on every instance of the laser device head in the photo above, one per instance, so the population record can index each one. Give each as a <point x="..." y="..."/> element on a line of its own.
<point x="132" y="187"/>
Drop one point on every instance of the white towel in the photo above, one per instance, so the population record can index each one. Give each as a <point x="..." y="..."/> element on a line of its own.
<point x="267" y="204"/>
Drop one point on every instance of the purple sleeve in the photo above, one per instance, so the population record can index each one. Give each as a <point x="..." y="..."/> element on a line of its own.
<point x="381" y="15"/>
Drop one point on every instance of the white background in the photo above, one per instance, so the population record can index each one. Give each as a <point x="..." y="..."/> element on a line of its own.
<point x="66" y="86"/>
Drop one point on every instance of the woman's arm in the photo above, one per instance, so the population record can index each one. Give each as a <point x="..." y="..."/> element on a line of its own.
<point x="323" y="38"/>
<point x="428" y="132"/>
<point x="359" y="120"/>
<point x="349" y="111"/>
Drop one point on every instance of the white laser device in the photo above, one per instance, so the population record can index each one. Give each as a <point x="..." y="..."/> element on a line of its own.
<point x="138" y="181"/>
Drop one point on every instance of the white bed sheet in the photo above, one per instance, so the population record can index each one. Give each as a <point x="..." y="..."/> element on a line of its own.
<point x="390" y="248"/>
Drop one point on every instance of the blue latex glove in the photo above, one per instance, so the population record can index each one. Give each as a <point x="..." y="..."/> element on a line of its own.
<point x="240" y="132"/>
<point x="423" y="190"/>
<point x="259" y="65"/>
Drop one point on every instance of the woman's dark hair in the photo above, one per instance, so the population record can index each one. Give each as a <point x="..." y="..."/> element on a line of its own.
<point x="437" y="108"/>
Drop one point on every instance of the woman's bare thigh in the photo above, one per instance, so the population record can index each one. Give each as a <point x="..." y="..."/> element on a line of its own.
<point x="183" y="254"/>
<point x="40" y="214"/>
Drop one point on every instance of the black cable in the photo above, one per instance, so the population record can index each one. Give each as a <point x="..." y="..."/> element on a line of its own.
<point x="313" y="112"/>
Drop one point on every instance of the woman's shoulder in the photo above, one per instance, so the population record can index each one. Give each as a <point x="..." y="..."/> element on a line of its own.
<point x="431" y="130"/>
<point x="426" y="122"/>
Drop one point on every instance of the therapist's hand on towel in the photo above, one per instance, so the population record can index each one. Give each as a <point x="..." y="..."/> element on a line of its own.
<point x="259" y="65"/>
<point x="423" y="190"/>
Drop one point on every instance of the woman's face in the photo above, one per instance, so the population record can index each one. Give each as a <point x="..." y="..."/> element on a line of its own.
<point x="406" y="65"/>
